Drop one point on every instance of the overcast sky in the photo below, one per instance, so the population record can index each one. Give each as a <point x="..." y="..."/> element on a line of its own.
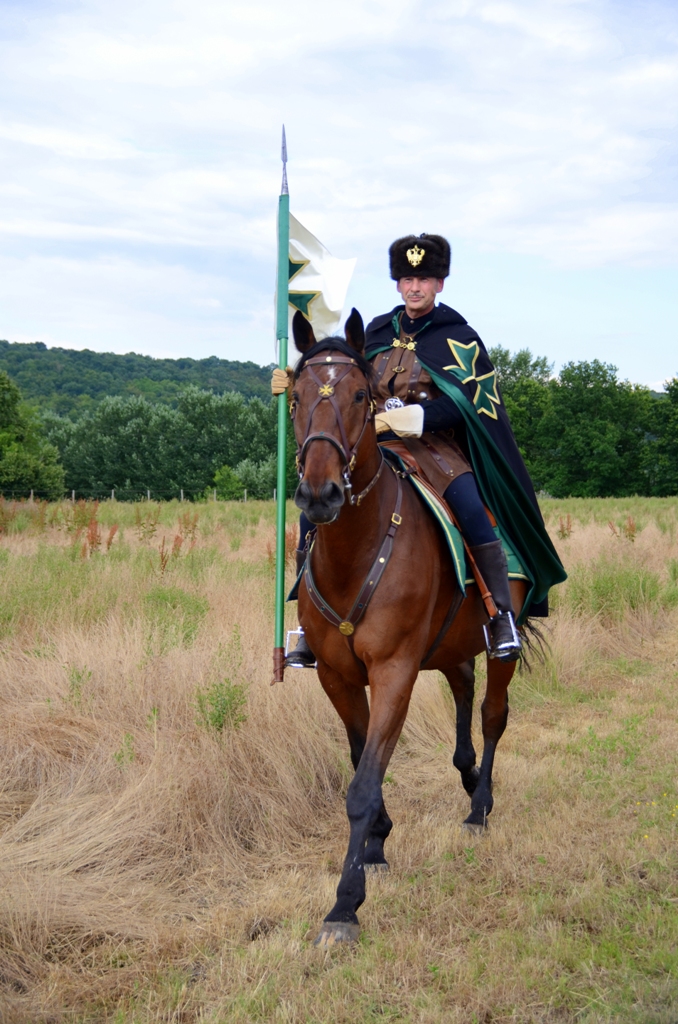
<point x="140" y="144"/>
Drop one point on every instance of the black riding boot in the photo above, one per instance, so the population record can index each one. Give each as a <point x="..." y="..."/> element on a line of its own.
<point x="302" y="656"/>
<point x="503" y="640"/>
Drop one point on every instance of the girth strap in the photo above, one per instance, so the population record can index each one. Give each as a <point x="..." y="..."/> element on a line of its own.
<point x="347" y="626"/>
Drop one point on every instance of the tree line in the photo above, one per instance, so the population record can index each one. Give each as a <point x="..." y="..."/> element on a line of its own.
<point x="582" y="433"/>
<point x="71" y="382"/>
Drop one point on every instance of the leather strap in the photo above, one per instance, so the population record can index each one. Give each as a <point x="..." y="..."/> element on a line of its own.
<point x="347" y="625"/>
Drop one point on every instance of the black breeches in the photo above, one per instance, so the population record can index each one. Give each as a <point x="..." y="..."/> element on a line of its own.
<point x="463" y="498"/>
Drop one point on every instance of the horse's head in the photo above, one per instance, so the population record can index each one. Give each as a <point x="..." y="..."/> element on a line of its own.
<point x="332" y="409"/>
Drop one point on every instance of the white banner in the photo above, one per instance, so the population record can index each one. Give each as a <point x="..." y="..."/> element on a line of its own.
<point x="318" y="281"/>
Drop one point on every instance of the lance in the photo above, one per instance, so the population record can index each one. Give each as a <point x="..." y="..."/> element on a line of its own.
<point x="281" y="490"/>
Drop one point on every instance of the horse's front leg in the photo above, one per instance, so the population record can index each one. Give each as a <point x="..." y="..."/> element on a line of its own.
<point x="494" y="710"/>
<point x="391" y="689"/>
<point x="351" y="704"/>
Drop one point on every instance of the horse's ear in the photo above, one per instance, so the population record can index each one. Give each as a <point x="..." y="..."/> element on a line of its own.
<point x="354" y="330"/>
<point x="304" y="338"/>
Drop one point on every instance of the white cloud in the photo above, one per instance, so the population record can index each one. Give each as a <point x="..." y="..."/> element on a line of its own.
<point x="148" y="133"/>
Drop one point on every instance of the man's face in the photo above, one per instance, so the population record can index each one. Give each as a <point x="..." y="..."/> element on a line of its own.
<point x="419" y="293"/>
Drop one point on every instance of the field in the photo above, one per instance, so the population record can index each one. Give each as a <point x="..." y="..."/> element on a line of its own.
<point x="171" y="827"/>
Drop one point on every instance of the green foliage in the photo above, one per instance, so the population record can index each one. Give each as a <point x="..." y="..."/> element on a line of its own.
<point x="125" y="755"/>
<point x="660" y="457"/>
<point x="175" y="614"/>
<point x="591" y="435"/>
<point x="70" y="382"/>
<point x="77" y="680"/>
<point x="132" y="446"/>
<point x="513" y="371"/>
<point x="228" y="485"/>
<point x="608" y="589"/>
<point x="220" y="705"/>
<point x="586" y="433"/>
<point x="258" y="478"/>
<point x="27" y="462"/>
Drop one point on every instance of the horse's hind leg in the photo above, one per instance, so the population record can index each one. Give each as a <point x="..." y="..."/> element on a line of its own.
<point x="494" y="716"/>
<point x="462" y="683"/>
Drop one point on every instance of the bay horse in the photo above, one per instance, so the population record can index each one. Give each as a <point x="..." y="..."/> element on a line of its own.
<point x="377" y="603"/>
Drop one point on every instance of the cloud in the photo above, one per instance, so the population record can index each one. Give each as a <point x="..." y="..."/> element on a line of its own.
<point x="148" y="133"/>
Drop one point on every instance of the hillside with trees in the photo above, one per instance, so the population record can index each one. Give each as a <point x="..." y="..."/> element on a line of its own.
<point x="583" y="433"/>
<point x="71" y="382"/>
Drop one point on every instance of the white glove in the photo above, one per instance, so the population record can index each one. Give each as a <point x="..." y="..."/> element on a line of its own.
<point x="408" y="421"/>
<point x="281" y="380"/>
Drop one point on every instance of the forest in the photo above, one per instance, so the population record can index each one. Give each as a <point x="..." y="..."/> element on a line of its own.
<point x="210" y="425"/>
<point x="71" y="382"/>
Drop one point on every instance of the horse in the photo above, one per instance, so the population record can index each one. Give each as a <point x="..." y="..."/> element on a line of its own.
<point x="376" y="600"/>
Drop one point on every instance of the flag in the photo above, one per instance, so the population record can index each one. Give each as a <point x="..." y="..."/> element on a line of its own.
<point x="318" y="281"/>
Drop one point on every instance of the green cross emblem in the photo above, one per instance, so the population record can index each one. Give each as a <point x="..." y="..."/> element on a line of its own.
<point x="486" y="396"/>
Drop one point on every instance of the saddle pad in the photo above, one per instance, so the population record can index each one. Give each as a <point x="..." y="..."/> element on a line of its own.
<point x="451" y="532"/>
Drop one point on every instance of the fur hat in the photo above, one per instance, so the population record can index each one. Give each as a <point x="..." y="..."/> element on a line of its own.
<point x="422" y="256"/>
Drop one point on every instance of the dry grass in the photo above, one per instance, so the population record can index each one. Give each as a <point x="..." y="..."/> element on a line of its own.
<point x="156" y="868"/>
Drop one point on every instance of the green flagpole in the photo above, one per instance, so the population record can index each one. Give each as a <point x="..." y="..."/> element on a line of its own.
<point x="281" y="490"/>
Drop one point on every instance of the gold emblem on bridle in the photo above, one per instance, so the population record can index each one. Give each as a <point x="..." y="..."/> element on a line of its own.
<point x="415" y="256"/>
<point x="346" y="628"/>
<point x="326" y="391"/>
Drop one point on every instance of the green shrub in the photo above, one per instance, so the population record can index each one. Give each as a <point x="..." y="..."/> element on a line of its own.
<point x="258" y="478"/>
<point x="229" y="486"/>
<point x="220" y="706"/>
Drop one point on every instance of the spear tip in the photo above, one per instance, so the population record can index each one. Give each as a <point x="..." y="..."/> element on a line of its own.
<point x="283" y="156"/>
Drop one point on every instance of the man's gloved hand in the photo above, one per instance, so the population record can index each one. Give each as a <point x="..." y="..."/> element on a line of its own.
<point x="281" y="380"/>
<point x="408" y="421"/>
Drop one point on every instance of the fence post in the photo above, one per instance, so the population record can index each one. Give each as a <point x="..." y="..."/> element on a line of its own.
<point x="275" y="493"/>
<point x="113" y="494"/>
<point x="215" y="494"/>
<point x="182" y="494"/>
<point x="148" y="494"/>
<point x="31" y="499"/>
<point x="245" y="495"/>
<point x="73" y="496"/>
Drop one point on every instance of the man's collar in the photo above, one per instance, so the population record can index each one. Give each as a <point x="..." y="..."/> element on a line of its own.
<point x="442" y="314"/>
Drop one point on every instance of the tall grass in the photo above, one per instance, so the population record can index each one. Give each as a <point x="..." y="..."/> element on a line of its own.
<point x="171" y="826"/>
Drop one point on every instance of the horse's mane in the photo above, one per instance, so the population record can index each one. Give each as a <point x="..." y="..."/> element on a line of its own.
<point x="336" y="344"/>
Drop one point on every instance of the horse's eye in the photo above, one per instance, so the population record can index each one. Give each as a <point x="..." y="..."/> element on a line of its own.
<point x="295" y="396"/>
<point x="360" y="396"/>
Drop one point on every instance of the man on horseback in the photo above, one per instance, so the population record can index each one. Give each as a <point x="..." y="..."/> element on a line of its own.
<point x="439" y="408"/>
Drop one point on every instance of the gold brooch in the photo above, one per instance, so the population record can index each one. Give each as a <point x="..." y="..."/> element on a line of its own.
<point x="347" y="628"/>
<point x="326" y="391"/>
<point x="415" y="256"/>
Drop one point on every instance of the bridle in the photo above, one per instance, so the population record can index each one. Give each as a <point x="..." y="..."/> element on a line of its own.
<point x="347" y="452"/>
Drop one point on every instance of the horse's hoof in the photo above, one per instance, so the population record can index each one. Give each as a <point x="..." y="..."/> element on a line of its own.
<point x="474" y="829"/>
<point x="377" y="870"/>
<point x="333" y="933"/>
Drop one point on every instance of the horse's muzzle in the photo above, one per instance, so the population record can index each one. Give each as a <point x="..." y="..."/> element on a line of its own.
<point x="322" y="507"/>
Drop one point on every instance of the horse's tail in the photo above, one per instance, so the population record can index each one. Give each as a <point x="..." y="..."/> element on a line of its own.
<point x="535" y="645"/>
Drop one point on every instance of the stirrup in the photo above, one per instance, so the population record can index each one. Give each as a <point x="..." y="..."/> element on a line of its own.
<point x="508" y="648"/>
<point x="305" y="658"/>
